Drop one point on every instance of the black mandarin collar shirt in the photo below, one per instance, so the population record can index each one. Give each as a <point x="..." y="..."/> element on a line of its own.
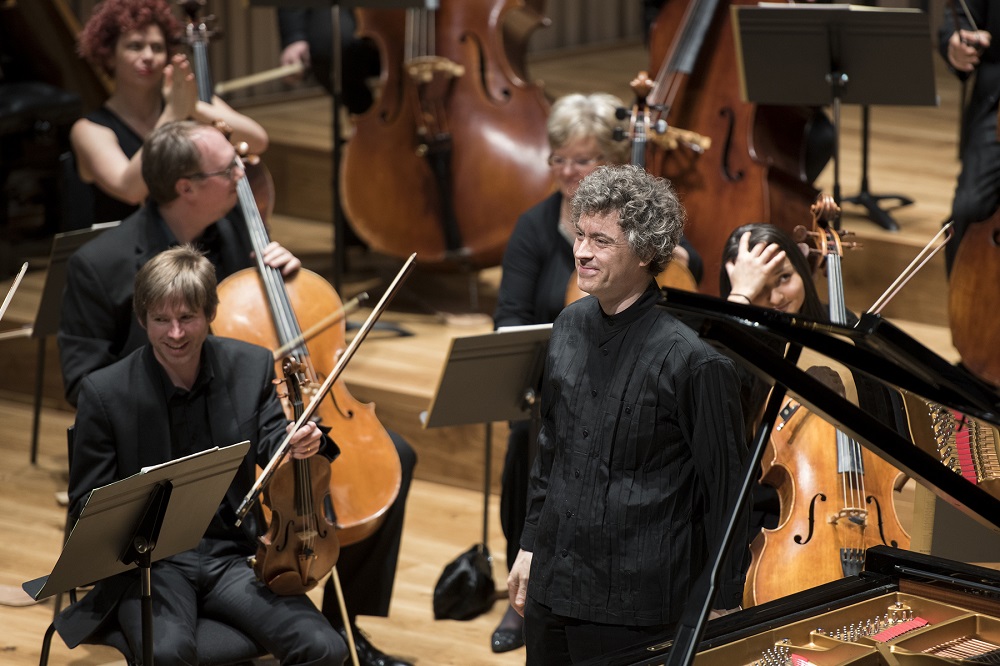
<point x="641" y="454"/>
<point x="191" y="431"/>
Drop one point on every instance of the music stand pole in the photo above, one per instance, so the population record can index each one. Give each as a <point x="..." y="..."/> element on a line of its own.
<point x="140" y="553"/>
<point x="336" y="83"/>
<point x="838" y="82"/>
<point x="864" y="197"/>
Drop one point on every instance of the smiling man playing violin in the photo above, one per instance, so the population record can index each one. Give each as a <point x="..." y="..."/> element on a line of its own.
<point x="185" y="392"/>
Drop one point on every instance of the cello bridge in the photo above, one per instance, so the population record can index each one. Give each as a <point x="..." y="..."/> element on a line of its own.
<point x="856" y="516"/>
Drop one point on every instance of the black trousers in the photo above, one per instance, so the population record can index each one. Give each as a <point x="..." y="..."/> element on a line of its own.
<point x="367" y="569"/>
<point x="514" y="486"/>
<point x="552" y="639"/>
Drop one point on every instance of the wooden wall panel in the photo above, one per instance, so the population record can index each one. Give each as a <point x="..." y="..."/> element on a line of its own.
<point x="248" y="42"/>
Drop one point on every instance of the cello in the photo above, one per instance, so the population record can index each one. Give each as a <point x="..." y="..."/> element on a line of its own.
<point x="366" y="477"/>
<point x="835" y="495"/>
<point x="763" y="159"/>
<point x="454" y="148"/>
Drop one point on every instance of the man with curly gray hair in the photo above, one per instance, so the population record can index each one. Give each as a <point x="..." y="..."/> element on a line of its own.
<point x="640" y="453"/>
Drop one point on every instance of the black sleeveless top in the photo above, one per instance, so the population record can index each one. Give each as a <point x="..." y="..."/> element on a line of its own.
<point x="105" y="207"/>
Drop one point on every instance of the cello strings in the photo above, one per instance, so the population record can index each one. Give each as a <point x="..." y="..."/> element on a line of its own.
<point x="849" y="451"/>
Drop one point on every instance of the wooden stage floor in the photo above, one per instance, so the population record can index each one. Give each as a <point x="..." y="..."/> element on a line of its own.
<point x="913" y="153"/>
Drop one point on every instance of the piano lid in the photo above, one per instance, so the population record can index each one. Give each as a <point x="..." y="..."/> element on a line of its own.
<point x="877" y="349"/>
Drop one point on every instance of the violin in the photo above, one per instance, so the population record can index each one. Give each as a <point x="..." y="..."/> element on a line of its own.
<point x="836" y="497"/>
<point x="674" y="275"/>
<point x="454" y="148"/>
<point x="300" y="546"/>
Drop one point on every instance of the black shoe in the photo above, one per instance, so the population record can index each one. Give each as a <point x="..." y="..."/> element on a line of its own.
<point x="368" y="654"/>
<point x="505" y="640"/>
<point x="509" y="634"/>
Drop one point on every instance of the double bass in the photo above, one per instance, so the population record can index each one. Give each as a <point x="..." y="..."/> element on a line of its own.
<point x="836" y="496"/>
<point x="972" y="299"/>
<point x="455" y="147"/>
<point x="763" y="159"/>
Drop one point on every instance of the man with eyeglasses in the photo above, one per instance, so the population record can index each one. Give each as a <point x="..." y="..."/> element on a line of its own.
<point x="191" y="172"/>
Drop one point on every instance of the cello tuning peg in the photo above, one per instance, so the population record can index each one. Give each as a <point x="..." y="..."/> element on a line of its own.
<point x="800" y="234"/>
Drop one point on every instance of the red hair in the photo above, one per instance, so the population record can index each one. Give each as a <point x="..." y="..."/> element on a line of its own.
<point x="113" y="18"/>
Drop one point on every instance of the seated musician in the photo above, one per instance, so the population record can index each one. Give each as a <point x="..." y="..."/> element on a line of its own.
<point x="135" y="43"/>
<point x="183" y="392"/>
<point x="190" y="172"/>
<point x="641" y="448"/>
<point x="763" y="266"/>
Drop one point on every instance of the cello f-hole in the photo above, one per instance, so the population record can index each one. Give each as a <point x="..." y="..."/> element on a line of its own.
<point x="812" y="520"/>
<point x="871" y="499"/>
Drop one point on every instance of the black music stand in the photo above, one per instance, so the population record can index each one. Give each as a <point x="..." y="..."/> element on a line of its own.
<point x="807" y="54"/>
<point x="47" y="319"/>
<point x="159" y="512"/>
<point x="487" y="378"/>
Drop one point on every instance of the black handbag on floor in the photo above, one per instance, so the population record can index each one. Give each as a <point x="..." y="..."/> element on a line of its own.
<point x="465" y="589"/>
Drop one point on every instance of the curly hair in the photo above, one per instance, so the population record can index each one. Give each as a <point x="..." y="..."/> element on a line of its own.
<point x="650" y="215"/>
<point x="577" y="116"/>
<point x="768" y="233"/>
<point x="113" y="18"/>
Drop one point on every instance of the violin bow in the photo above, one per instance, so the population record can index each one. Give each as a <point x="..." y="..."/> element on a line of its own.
<point x="13" y="288"/>
<point x="326" y="322"/>
<point x="926" y="254"/>
<point x="342" y="362"/>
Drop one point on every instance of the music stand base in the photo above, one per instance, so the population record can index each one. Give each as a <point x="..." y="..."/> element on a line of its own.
<point x="875" y="212"/>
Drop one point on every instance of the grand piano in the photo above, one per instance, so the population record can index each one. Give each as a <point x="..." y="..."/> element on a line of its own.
<point x="903" y="608"/>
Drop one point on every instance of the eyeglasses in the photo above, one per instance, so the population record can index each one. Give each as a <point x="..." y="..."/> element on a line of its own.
<point x="227" y="172"/>
<point x="558" y="162"/>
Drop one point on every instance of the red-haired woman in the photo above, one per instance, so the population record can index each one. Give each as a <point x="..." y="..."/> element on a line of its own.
<point x="135" y="42"/>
